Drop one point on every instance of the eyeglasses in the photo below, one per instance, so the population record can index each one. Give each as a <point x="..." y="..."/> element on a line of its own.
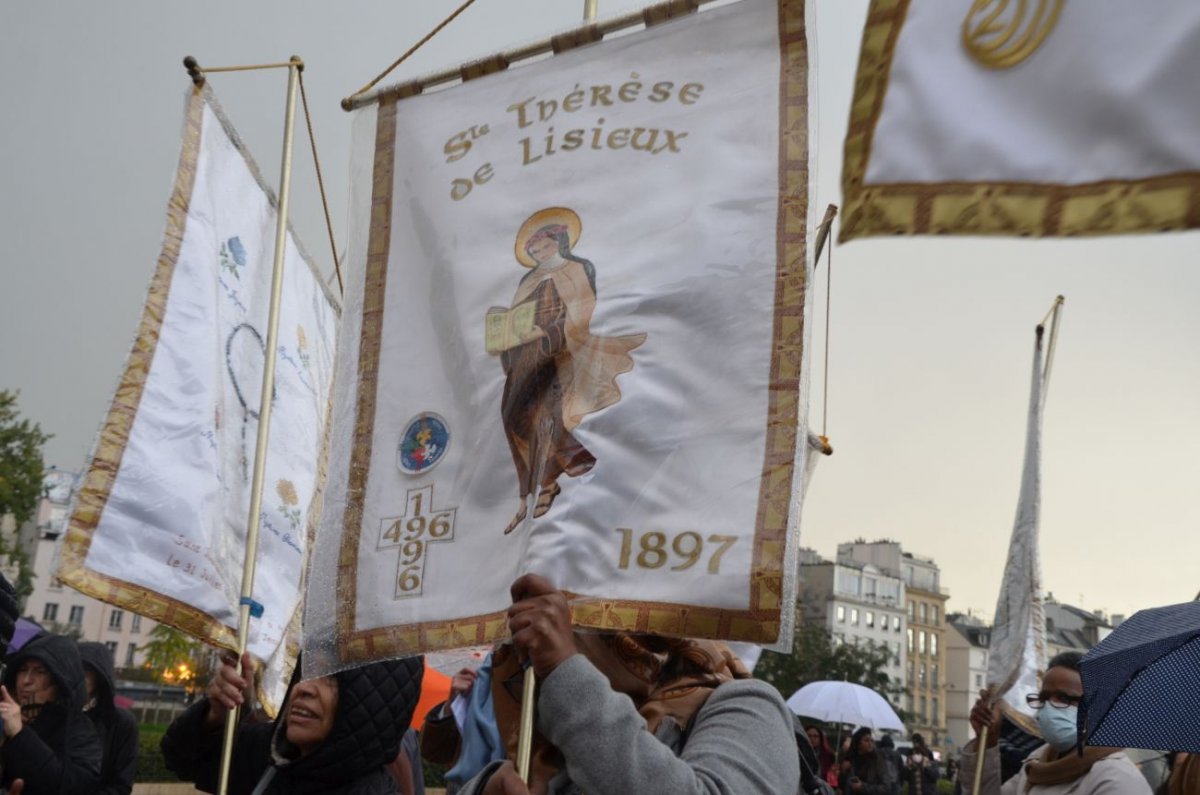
<point x="1056" y="699"/>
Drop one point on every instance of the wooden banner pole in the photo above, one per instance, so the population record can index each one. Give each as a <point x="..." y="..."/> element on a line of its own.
<point x="254" y="520"/>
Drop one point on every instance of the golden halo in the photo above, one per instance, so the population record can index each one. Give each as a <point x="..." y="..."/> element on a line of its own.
<point x="550" y="216"/>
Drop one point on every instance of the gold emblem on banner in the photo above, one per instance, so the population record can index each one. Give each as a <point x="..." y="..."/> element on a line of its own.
<point x="999" y="36"/>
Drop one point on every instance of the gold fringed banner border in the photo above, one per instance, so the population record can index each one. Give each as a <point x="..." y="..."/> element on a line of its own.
<point x="758" y="624"/>
<point x="1159" y="204"/>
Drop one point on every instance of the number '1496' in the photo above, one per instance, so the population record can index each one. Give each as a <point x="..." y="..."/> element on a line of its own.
<point x="654" y="550"/>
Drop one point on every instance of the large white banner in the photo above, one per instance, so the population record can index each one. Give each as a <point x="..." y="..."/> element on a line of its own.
<point x="573" y="346"/>
<point x="1017" y="647"/>
<point x="160" y="524"/>
<point x="1046" y="117"/>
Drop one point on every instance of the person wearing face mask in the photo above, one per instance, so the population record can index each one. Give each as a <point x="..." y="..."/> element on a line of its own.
<point x="1055" y="768"/>
<point x="335" y="734"/>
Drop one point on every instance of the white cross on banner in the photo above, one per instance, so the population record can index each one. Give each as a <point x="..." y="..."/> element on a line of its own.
<point x="573" y="345"/>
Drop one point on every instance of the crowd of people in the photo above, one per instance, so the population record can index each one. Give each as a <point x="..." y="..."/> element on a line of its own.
<point x="616" y="713"/>
<point x="63" y="733"/>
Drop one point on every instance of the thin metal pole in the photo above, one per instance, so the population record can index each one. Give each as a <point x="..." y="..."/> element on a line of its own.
<point x="610" y="25"/>
<point x="589" y="9"/>
<point x="1055" y="313"/>
<point x="254" y="519"/>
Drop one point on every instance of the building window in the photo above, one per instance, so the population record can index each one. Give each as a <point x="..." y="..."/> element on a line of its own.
<point x="839" y="639"/>
<point x="979" y="680"/>
<point x="921" y="678"/>
<point x="924" y="710"/>
<point x="933" y="644"/>
<point x="135" y="625"/>
<point x="933" y="678"/>
<point x="841" y="614"/>
<point x="896" y="624"/>
<point x="50" y="612"/>
<point x="921" y="641"/>
<point x="129" y="655"/>
<point x="114" y="619"/>
<point x="854" y="616"/>
<point x="924" y="613"/>
<point x="912" y="611"/>
<point x="935" y="709"/>
<point x="910" y="640"/>
<point x="883" y="621"/>
<point x="933" y="614"/>
<point x="112" y="649"/>
<point x="870" y="619"/>
<point x="76" y="617"/>
<point x="910" y="674"/>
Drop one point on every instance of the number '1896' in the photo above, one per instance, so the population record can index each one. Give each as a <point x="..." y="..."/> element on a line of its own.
<point x="655" y="549"/>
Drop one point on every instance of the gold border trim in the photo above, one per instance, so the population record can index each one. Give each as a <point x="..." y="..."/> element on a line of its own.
<point x="1164" y="203"/>
<point x="758" y="624"/>
<point x="114" y="434"/>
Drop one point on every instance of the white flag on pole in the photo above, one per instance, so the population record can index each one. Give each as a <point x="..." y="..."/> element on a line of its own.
<point x="1017" y="650"/>
<point x="574" y="346"/>
<point x="1045" y="117"/>
<point x="160" y="523"/>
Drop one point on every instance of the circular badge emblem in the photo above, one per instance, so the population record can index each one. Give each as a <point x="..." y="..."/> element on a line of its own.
<point x="423" y="444"/>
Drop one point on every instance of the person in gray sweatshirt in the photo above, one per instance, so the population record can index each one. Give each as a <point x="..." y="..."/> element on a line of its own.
<point x="631" y="713"/>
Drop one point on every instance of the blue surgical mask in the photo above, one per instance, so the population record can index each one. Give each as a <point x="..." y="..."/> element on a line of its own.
<point x="1059" y="726"/>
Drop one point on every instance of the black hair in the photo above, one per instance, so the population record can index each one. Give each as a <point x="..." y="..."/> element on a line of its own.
<point x="564" y="250"/>
<point x="1066" y="659"/>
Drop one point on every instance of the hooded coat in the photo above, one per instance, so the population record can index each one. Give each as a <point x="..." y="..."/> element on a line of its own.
<point x="116" y="727"/>
<point x="58" y="752"/>
<point x="374" y="708"/>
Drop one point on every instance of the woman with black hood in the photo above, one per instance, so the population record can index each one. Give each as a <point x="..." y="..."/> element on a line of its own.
<point x="117" y="728"/>
<point x="49" y="743"/>
<point x="334" y="735"/>
<point x="864" y="772"/>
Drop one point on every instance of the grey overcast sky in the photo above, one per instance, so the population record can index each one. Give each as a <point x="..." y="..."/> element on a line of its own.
<point x="931" y="338"/>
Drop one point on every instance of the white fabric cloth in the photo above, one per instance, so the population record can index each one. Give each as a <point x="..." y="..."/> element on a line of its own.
<point x="173" y="527"/>
<point x="1110" y="94"/>
<point x="684" y="251"/>
<point x="1017" y="646"/>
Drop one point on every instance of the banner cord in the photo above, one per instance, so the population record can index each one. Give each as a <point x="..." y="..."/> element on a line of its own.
<point x="413" y="48"/>
<point x="828" y="303"/>
<point x="337" y="267"/>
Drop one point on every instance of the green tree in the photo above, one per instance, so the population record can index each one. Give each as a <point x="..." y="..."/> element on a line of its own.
<point x="21" y="473"/>
<point x="21" y="466"/>
<point x="815" y="658"/>
<point x="167" y="650"/>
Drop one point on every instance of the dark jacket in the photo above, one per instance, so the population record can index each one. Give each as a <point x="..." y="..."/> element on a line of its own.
<point x="923" y="777"/>
<point x="374" y="709"/>
<point x="58" y="752"/>
<point x="117" y="728"/>
<point x="871" y="770"/>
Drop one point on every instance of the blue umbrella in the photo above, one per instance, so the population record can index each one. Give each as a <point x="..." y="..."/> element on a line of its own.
<point x="1140" y="683"/>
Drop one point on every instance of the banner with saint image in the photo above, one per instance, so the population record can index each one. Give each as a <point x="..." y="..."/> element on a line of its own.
<point x="574" y="344"/>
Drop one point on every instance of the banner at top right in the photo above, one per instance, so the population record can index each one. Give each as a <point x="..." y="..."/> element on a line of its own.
<point x="1032" y="118"/>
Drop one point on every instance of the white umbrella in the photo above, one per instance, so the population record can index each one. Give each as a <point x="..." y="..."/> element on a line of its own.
<point x="844" y="702"/>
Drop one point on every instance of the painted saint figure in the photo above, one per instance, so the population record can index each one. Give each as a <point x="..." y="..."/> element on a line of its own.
<point x="556" y="370"/>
